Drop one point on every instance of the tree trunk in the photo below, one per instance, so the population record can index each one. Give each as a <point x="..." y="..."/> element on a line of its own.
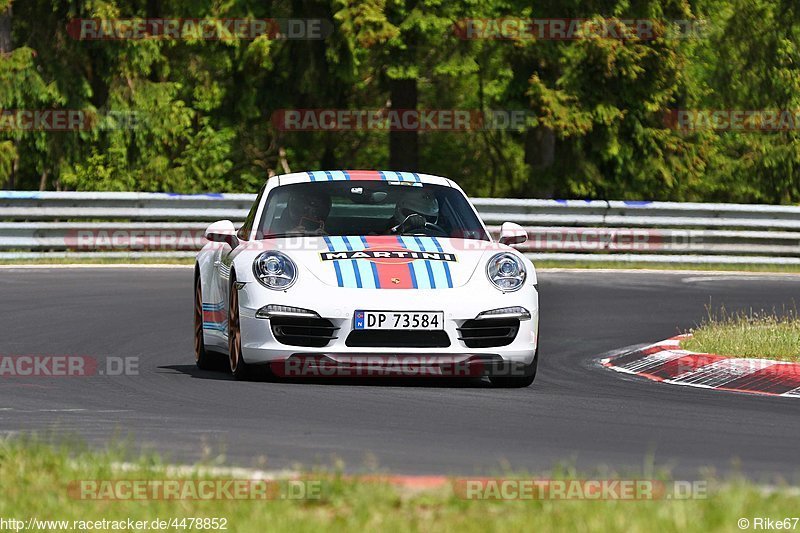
<point x="5" y="31"/>
<point x="12" y="179"/>
<point x="43" y="181"/>
<point x="283" y="161"/>
<point x="328" y="159"/>
<point x="540" y="144"/>
<point x="5" y="48"/>
<point x="403" y="145"/>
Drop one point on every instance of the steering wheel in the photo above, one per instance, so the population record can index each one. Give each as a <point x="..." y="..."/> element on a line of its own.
<point x="435" y="227"/>
<point x="419" y="223"/>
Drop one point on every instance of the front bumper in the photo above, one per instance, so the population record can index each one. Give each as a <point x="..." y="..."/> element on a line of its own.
<point x="339" y="305"/>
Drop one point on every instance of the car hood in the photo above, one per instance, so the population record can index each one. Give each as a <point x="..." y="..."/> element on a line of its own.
<point x="385" y="262"/>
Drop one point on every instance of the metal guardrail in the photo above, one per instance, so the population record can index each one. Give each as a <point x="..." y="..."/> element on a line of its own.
<point x="67" y="224"/>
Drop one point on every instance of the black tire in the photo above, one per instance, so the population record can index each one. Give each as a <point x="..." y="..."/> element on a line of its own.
<point x="238" y="366"/>
<point x="202" y="358"/>
<point x="518" y="382"/>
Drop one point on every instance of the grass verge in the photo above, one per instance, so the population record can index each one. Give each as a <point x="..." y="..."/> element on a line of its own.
<point x="767" y="335"/>
<point x="38" y="481"/>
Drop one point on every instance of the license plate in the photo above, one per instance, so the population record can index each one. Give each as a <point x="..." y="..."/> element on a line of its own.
<point x="419" y="320"/>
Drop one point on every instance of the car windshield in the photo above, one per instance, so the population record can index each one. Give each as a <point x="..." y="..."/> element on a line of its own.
<point x="368" y="208"/>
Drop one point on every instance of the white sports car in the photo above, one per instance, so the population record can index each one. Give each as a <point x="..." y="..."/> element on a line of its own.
<point x="343" y="273"/>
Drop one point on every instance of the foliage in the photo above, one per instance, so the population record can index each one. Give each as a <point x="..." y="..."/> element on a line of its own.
<point x="190" y="115"/>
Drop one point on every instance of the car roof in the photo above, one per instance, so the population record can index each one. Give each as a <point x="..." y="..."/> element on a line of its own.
<point x="360" y="175"/>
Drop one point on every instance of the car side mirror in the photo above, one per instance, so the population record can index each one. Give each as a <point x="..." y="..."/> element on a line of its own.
<point x="512" y="233"/>
<point x="222" y="231"/>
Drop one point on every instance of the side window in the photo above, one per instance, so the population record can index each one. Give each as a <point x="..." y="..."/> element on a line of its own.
<point x="247" y="227"/>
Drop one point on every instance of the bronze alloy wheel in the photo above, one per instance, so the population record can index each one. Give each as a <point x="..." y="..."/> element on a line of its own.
<point x="238" y="366"/>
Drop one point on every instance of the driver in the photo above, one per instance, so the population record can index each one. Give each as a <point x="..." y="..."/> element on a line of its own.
<point x="306" y="212"/>
<point x="415" y="201"/>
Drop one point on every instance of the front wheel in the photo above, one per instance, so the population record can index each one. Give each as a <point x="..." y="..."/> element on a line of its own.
<point x="238" y="366"/>
<point x="518" y="382"/>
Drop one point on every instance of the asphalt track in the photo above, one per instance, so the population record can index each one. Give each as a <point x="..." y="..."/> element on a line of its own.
<point x="576" y="412"/>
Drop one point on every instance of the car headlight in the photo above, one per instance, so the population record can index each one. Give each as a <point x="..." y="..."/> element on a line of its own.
<point x="275" y="270"/>
<point x="506" y="272"/>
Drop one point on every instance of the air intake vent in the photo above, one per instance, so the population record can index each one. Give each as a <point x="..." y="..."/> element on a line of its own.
<point x="310" y="332"/>
<point x="489" y="332"/>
